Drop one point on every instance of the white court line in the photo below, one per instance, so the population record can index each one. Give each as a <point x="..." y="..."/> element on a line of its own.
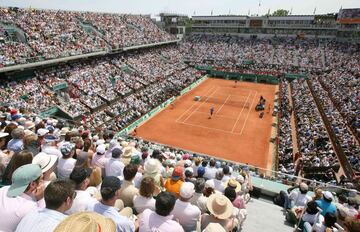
<point x="191" y="106"/>
<point x="247" y="116"/>
<point x="210" y="128"/>
<point x="200" y="105"/>
<point x="222" y="105"/>
<point x="217" y="115"/>
<point x="238" y="117"/>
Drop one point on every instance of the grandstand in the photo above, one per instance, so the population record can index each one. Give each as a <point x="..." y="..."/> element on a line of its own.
<point x="120" y="107"/>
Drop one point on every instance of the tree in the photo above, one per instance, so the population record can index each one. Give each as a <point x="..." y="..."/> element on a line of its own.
<point x="280" y="12"/>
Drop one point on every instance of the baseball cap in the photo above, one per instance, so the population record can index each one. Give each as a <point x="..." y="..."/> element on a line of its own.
<point x="78" y="175"/>
<point x="187" y="190"/>
<point x="66" y="148"/>
<point x="201" y="171"/>
<point x="328" y="195"/>
<point x="45" y="161"/>
<point x="22" y="177"/>
<point x="111" y="182"/>
<point x="177" y="173"/>
<point x="101" y="149"/>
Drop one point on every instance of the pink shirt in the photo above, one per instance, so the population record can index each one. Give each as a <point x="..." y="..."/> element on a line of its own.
<point x="13" y="209"/>
<point x="151" y="221"/>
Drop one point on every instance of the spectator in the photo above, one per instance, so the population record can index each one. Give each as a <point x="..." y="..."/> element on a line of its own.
<point x="59" y="196"/>
<point x="66" y="163"/>
<point x="128" y="190"/>
<point x="109" y="194"/>
<point x="221" y="211"/>
<point x="114" y="166"/>
<point x="325" y="204"/>
<point x="81" y="178"/>
<point x="173" y="184"/>
<point x="161" y="218"/>
<point x="187" y="214"/>
<point x="17" y="160"/>
<point x="16" y="144"/>
<point x="144" y="200"/>
<point x="47" y="165"/>
<point x="82" y="161"/>
<point x="25" y="194"/>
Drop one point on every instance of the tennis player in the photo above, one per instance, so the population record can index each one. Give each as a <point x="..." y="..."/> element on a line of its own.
<point x="212" y="109"/>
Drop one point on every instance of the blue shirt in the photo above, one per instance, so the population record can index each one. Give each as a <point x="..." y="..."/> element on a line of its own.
<point x="327" y="207"/>
<point x="44" y="220"/>
<point x="15" y="145"/>
<point x="123" y="224"/>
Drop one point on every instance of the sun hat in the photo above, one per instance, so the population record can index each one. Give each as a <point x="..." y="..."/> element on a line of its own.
<point x="42" y="132"/>
<point x="219" y="206"/>
<point x="126" y="156"/>
<point x="78" y="175"/>
<point x="187" y="190"/>
<point x="214" y="227"/>
<point x="45" y="161"/>
<point x="22" y="177"/>
<point x="152" y="166"/>
<point x="177" y="173"/>
<point x="86" y="222"/>
<point x="233" y="184"/>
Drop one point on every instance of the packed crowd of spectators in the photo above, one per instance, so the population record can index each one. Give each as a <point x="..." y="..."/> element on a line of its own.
<point x="285" y="147"/>
<point x="54" y="176"/>
<point x="52" y="34"/>
<point x="314" y="144"/>
<point x="339" y="126"/>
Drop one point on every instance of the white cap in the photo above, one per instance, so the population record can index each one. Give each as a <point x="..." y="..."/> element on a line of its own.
<point x="328" y="195"/>
<point x="187" y="190"/>
<point x="101" y="149"/>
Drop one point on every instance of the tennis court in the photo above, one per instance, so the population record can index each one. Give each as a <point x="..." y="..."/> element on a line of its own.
<point x="234" y="132"/>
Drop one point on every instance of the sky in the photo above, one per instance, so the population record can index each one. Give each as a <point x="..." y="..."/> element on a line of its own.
<point x="190" y="7"/>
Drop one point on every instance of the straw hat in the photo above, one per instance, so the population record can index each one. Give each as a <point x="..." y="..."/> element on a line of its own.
<point x="152" y="166"/>
<point x="219" y="206"/>
<point x="234" y="184"/>
<point x="86" y="222"/>
<point x="126" y="156"/>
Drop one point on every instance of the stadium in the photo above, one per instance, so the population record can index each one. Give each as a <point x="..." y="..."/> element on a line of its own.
<point x="123" y="122"/>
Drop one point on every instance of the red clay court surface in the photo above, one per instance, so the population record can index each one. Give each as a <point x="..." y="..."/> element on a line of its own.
<point x="235" y="132"/>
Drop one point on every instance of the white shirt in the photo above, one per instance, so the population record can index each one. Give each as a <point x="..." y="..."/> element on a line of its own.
<point x="151" y="221"/>
<point x="299" y="198"/>
<point x="81" y="201"/>
<point x="99" y="161"/>
<point x="141" y="203"/>
<point x="187" y="214"/>
<point x="219" y="186"/>
<point x="44" y="220"/>
<point x="65" y="167"/>
<point x="114" y="167"/>
<point x="13" y="209"/>
<point x="210" y="172"/>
